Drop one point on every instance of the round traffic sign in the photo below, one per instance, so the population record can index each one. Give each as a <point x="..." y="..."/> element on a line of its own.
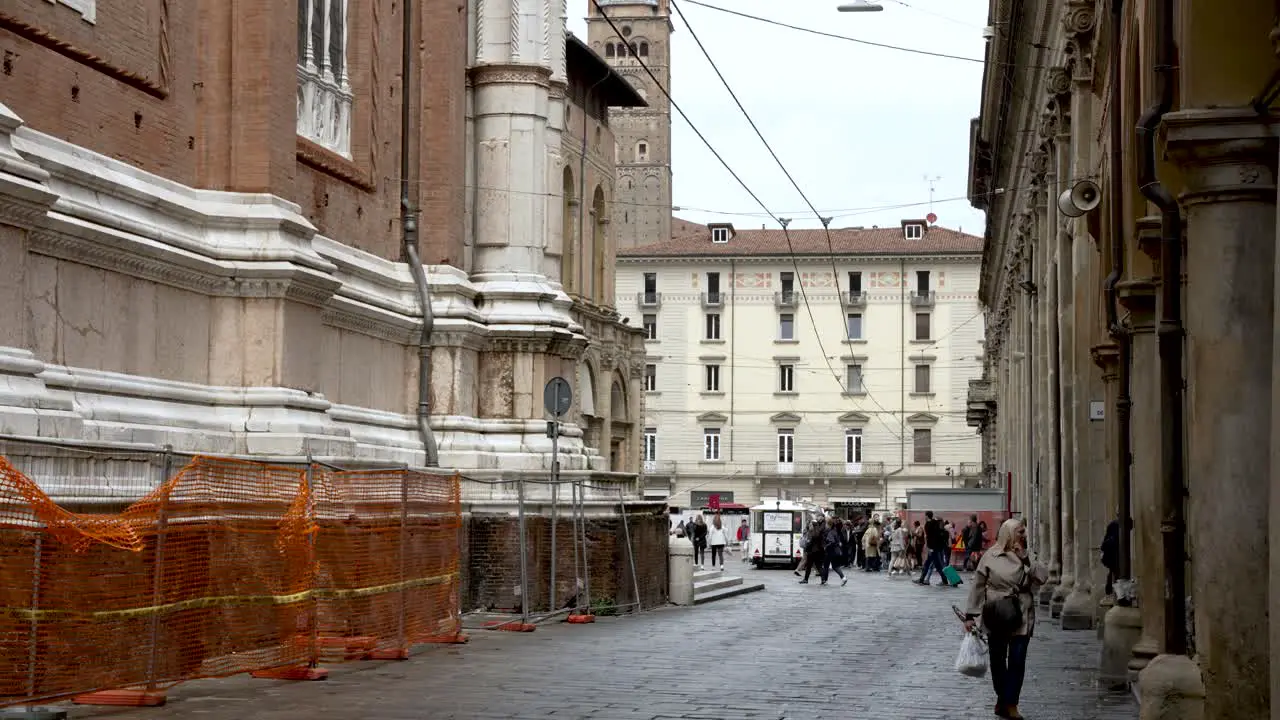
<point x="557" y="397"/>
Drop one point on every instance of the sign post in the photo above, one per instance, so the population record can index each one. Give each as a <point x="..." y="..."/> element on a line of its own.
<point x="557" y="398"/>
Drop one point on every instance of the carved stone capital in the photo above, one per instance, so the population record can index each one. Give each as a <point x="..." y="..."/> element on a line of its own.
<point x="1080" y="19"/>
<point x="1038" y="162"/>
<point x="1138" y="296"/>
<point x="1226" y="155"/>
<point x="1080" y="59"/>
<point x="1148" y="235"/>
<point x="1057" y="82"/>
<point x="1107" y="357"/>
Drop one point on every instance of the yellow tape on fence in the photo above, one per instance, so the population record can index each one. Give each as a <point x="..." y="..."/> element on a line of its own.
<point x="229" y="601"/>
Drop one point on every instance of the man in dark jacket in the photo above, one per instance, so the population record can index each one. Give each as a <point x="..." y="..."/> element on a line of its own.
<point x="1111" y="554"/>
<point x="973" y="539"/>
<point x="938" y="542"/>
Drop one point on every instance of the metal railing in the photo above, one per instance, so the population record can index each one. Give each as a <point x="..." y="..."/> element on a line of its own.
<point x="765" y="468"/>
<point x="923" y="299"/>
<point x="712" y="299"/>
<point x="786" y="299"/>
<point x="856" y="298"/>
<point x="649" y="299"/>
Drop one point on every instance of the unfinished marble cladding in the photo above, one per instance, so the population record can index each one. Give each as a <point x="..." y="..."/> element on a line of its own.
<point x="120" y="268"/>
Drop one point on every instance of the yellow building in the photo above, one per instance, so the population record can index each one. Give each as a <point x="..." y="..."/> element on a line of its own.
<point x="1129" y="276"/>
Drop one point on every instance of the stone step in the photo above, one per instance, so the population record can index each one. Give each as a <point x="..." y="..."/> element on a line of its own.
<point x="728" y="592"/>
<point x="700" y="575"/>
<point x="718" y="583"/>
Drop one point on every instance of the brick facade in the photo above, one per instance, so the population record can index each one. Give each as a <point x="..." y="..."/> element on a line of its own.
<point x="203" y="93"/>
<point x="491" y="559"/>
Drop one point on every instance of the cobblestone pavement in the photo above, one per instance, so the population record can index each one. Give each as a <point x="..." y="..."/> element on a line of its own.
<point x="878" y="648"/>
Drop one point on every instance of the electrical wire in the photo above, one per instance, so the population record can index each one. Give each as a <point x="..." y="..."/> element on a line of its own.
<point x="831" y="35"/>
<point x="786" y="233"/>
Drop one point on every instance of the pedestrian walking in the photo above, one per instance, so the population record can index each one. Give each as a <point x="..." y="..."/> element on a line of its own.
<point x="744" y="539"/>
<point x="938" y="541"/>
<point x="717" y="538"/>
<point x="1002" y="600"/>
<point x="699" y="538"/>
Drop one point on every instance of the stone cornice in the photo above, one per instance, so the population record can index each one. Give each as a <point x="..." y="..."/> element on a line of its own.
<point x="825" y="260"/>
<point x="509" y="74"/>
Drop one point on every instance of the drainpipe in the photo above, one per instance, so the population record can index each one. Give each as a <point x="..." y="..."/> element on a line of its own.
<point x="1169" y="336"/>
<point x="409" y="235"/>
<point x="733" y="314"/>
<point x="902" y="366"/>
<point x="1119" y="333"/>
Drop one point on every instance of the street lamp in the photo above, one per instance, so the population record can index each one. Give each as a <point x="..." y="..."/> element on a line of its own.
<point x="860" y="6"/>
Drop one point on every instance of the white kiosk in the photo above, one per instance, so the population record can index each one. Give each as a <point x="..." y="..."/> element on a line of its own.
<point x="777" y="532"/>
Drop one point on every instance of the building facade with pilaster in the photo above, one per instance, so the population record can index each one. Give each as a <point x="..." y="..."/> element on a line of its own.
<point x="202" y="241"/>
<point x="1129" y="279"/>
<point x="828" y="368"/>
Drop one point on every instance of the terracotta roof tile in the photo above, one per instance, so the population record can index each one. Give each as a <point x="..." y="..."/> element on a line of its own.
<point x="689" y="239"/>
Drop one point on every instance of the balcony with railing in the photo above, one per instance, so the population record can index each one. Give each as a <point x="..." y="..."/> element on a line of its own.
<point x="712" y="299"/>
<point x="786" y="299"/>
<point x="970" y="469"/>
<point x="923" y="299"/>
<point x="649" y="299"/>
<point x="855" y="299"/>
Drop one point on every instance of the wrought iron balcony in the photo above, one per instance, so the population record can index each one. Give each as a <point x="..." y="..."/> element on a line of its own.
<point x="786" y="299"/>
<point x="649" y="299"/>
<point x="713" y="299"/>
<point x="856" y="298"/>
<point x="919" y="299"/>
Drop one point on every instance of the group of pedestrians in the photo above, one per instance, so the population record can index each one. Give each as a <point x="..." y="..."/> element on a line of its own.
<point x="714" y="536"/>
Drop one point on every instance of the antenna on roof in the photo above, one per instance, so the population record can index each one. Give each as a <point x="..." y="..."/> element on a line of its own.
<point x="931" y="182"/>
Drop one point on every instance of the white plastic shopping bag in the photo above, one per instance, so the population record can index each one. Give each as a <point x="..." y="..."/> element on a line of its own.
<point x="972" y="660"/>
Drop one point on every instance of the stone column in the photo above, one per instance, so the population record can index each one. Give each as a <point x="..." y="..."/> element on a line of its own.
<point x="1228" y="162"/>
<point x="1138" y="297"/>
<point x="1065" y="358"/>
<point x="1053" y="404"/>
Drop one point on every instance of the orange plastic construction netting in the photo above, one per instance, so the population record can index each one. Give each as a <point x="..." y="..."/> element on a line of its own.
<point x="228" y="567"/>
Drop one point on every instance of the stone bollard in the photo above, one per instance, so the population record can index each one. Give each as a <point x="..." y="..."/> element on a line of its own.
<point x="680" y="570"/>
<point x="1170" y="688"/>
<point x="1121" y="629"/>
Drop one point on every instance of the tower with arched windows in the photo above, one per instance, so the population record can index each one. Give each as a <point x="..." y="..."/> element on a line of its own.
<point x="642" y="202"/>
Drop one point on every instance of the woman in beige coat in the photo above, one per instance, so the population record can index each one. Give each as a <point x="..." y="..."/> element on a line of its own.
<point x="1006" y="571"/>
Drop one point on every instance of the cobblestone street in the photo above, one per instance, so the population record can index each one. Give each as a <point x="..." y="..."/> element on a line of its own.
<point x="879" y="647"/>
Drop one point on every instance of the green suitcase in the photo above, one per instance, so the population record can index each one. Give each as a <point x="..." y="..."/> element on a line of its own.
<point x="951" y="575"/>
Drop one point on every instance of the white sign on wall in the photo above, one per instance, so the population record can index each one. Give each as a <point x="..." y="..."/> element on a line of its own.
<point x="1097" y="411"/>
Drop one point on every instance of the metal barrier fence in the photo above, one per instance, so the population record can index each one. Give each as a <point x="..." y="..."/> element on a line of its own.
<point x="230" y="566"/>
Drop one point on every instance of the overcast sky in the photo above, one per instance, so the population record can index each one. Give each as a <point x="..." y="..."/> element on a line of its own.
<point x="858" y="127"/>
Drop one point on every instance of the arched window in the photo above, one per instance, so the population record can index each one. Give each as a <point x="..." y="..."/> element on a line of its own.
<point x="634" y="51"/>
<point x="617" y="401"/>
<point x="598" y="259"/>
<point x="608" y="50"/>
<point x="568" y="236"/>
<point x="644" y="49"/>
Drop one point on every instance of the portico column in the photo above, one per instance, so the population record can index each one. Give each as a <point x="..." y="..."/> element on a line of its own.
<point x="1139" y="298"/>
<point x="1060" y="79"/>
<point x="1228" y="163"/>
<point x="1039" y="474"/>
<point x="1053" y="400"/>
<point x="1079" y="21"/>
